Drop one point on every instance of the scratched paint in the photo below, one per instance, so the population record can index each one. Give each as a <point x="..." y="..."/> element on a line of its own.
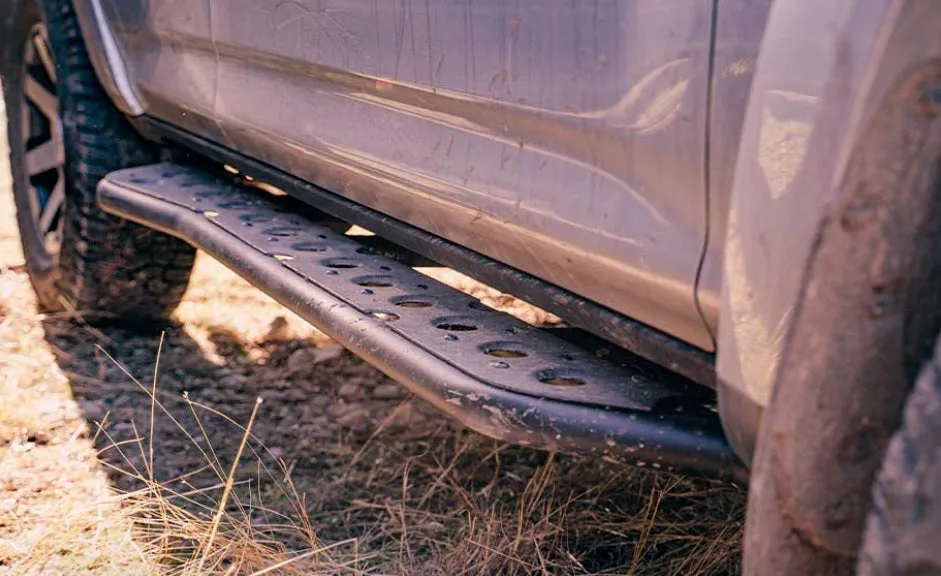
<point x="564" y="138"/>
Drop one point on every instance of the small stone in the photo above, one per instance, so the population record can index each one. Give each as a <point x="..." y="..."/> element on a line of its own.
<point x="327" y="354"/>
<point x="341" y="409"/>
<point x="301" y="360"/>
<point x="350" y="417"/>
<point x="432" y="525"/>
<point x="387" y="391"/>
<point x="319" y="400"/>
<point x="92" y="409"/>
<point x="235" y="380"/>
<point x="348" y="390"/>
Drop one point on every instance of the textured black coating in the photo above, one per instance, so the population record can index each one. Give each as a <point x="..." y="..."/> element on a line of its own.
<point x="645" y="341"/>
<point x="382" y="247"/>
<point x="443" y="345"/>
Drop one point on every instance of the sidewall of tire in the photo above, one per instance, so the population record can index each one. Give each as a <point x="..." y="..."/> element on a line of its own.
<point x="107" y="269"/>
<point x="41" y="268"/>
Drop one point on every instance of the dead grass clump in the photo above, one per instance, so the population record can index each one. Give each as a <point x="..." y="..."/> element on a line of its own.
<point x="190" y="529"/>
<point x="573" y="516"/>
<point x="337" y="472"/>
<point x="454" y="503"/>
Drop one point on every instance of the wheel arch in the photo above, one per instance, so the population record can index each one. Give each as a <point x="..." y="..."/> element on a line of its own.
<point x="822" y="73"/>
<point x="103" y="50"/>
<point x="105" y="55"/>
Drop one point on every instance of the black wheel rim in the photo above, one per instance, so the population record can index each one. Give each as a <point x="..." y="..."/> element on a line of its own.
<point x="42" y="141"/>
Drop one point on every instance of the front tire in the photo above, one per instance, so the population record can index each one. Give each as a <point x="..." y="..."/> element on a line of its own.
<point x="903" y="531"/>
<point x="65" y="135"/>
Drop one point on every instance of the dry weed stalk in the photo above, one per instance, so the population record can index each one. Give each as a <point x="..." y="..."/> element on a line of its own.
<point x="186" y="536"/>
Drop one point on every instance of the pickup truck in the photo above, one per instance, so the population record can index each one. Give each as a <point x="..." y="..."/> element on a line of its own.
<point x="733" y="205"/>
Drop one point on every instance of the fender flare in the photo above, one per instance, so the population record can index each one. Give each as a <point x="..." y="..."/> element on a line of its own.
<point x="822" y="71"/>
<point x="106" y="57"/>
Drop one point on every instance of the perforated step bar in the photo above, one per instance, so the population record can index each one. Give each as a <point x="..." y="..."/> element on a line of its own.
<point x="489" y="370"/>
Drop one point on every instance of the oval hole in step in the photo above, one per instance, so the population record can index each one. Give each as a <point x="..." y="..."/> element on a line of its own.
<point x="341" y="263"/>
<point x="256" y="218"/>
<point x="234" y="204"/>
<point x="413" y="301"/>
<point x="505" y="350"/>
<point x="374" y="281"/>
<point x="456" y="324"/>
<point x="282" y="231"/>
<point x="309" y="247"/>
<point x="386" y="316"/>
<point x="561" y="378"/>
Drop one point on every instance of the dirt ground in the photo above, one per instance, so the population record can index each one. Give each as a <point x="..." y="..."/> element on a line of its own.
<point x="344" y="473"/>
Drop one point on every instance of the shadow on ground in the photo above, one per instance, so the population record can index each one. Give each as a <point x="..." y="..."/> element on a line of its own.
<point x="369" y="463"/>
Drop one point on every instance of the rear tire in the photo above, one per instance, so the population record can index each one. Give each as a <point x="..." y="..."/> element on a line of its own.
<point x="903" y="532"/>
<point x="103" y="267"/>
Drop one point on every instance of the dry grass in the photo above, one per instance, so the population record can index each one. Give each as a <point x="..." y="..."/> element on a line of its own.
<point x="408" y="493"/>
<point x="115" y="461"/>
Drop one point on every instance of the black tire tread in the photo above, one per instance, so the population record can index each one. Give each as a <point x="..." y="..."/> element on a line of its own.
<point x="903" y="530"/>
<point x="108" y="268"/>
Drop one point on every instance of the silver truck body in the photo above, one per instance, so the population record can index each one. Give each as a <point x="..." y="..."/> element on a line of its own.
<point x="602" y="146"/>
<point x="565" y="139"/>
